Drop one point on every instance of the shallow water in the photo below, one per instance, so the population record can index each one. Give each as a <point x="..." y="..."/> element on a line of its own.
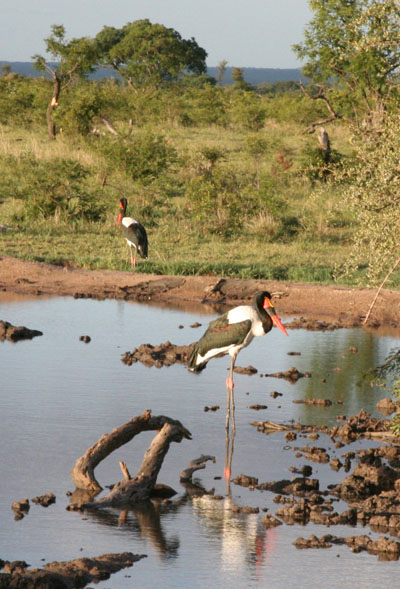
<point x="59" y="395"/>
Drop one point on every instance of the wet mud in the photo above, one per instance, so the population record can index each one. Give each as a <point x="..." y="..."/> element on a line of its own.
<point x="371" y="488"/>
<point x="65" y="575"/>
<point x="16" y="333"/>
<point x="313" y="306"/>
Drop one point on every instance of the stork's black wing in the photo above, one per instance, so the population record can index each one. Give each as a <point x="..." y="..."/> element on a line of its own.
<point x="221" y="333"/>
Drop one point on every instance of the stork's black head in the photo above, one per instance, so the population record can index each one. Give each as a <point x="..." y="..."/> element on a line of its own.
<point x="259" y="299"/>
<point x="263" y="304"/>
<point x="123" y="203"/>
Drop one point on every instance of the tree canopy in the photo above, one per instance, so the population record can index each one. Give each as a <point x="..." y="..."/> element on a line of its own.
<point x="354" y="45"/>
<point x="145" y="53"/>
<point x="74" y="59"/>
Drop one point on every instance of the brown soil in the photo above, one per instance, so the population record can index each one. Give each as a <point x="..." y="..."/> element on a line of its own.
<point x="323" y="307"/>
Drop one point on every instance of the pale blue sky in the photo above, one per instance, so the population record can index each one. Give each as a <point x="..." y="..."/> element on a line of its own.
<point x="252" y="33"/>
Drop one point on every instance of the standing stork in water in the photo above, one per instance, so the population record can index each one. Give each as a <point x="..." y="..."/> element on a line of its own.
<point x="229" y="334"/>
<point x="134" y="233"/>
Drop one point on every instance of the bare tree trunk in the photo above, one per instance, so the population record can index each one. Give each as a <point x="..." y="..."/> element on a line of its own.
<point x="138" y="488"/>
<point x="51" y="127"/>
<point x="324" y="144"/>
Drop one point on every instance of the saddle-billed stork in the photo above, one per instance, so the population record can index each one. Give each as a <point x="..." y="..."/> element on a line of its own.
<point x="134" y="233"/>
<point x="230" y="333"/>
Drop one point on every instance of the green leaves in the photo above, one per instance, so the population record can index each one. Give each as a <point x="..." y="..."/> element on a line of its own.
<point x="74" y="58"/>
<point x="143" y="156"/>
<point x="144" y="53"/>
<point x="54" y="189"/>
<point x="354" y="44"/>
<point x="372" y="193"/>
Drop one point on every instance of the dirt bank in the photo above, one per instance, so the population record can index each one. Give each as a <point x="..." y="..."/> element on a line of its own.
<point x="344" y="306"/>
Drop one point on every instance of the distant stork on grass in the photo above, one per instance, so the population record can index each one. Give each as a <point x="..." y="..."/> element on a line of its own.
<point x="134" y="233"/>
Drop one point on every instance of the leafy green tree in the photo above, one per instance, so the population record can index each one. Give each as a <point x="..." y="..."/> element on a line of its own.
<point x="371" y="182"/>
<point x="73" y="59"/>
<point x="149" y="54"/>
<point x="354" y="45"/>
<point x="238" y="78"/>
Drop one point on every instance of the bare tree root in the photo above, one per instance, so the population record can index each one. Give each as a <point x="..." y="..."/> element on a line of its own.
<point x="131" y="489"/>
<point x="196" y="464"/>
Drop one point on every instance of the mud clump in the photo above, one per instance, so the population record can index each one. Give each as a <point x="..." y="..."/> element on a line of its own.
<point x="320" y="402"/>
<point x="15" y="334"/>
<point x="314" y="453"/>
<point x="45" y="500"/>
<point x="386" y="406"/>
<point x="299" y="486"/>
<point x="383" y="547"/>
<point x="20" y="508"/>
<point x="245" y="509"/>
<point x="211" y="408"/>
<point x="318" y="325"/>
<point x="165" y="354"/>
<point x="292" y="375"/>
<point x="64" y="575"/>
<point x="269" y="521"/>
<point x="245" y="481"/>
<point x="359" y="425"/>
<point x="245" y="370"/>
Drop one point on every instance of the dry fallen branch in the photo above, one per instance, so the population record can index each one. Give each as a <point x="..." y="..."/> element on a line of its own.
<point x="136" y="488"/>
<point x="379" y="290"/>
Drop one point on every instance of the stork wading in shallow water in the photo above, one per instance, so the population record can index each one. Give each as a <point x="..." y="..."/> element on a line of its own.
<point x="230" y="333"/>
<point x="134" y="233"/>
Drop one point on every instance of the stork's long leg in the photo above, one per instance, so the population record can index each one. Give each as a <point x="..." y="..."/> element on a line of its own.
<point x="133" y="255"/>
<point x="228" y="456"/>
<point x="230" y="397"/>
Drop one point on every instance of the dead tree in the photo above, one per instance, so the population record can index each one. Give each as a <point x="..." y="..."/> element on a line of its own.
<point x="135" y="489"/>
<point x="324" y="144"/>
<point x="320" y="95"/>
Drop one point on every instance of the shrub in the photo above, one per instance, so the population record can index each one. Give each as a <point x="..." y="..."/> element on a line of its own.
<point x="54" y="188"/>
<point x="143" y="156"/>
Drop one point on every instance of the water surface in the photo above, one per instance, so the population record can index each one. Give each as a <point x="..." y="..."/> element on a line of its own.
<point x="59" y="395"/>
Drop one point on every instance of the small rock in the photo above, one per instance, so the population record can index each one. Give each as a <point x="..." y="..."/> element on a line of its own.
<point x="386" y="406"/>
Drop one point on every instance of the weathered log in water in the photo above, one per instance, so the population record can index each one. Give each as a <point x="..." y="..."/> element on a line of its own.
<point x="131" y="489"/>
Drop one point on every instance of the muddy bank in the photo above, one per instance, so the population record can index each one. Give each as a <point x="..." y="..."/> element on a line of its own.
<point x="320" y="306"/>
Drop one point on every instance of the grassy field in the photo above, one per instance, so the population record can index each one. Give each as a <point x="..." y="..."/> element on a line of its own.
<point x="221" y="207"/>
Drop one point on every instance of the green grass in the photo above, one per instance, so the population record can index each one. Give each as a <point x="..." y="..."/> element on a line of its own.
<point x="302" y="239"/>
<point x="94" y="246"/>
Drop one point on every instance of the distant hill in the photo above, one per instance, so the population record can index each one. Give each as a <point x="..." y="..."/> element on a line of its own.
<point x="257" y="75"/>
<point x="252" y="75"/>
